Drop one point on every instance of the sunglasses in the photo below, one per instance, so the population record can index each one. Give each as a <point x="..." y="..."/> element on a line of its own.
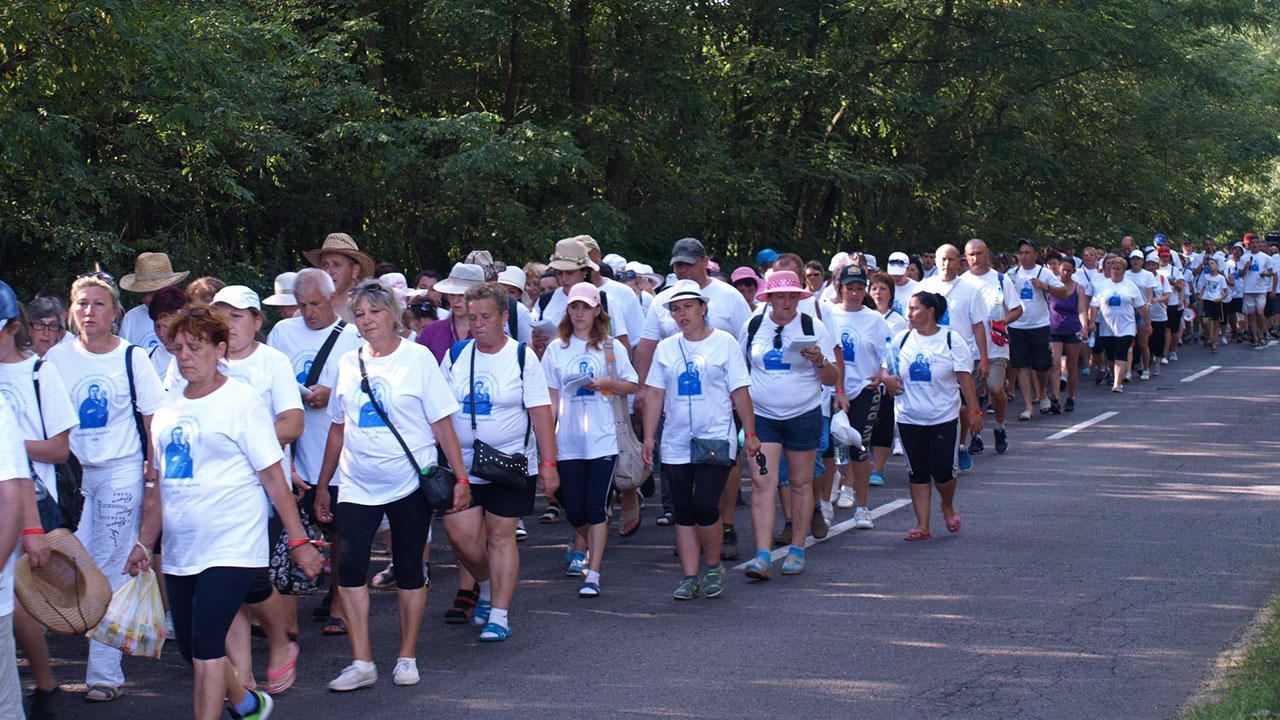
<point x="760" y="461"/>
<point x="628" y="275"/>
<point x="105" y="276"/>
<point x="422" y="307"/>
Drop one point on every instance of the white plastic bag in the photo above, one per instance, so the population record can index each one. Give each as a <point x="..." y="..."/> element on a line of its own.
<point x="134" y="622"/>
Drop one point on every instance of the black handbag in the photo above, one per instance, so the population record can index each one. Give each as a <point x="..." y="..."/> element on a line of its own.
<point x="704" y="451"/>
<point x="68" y="478"/>
<point x="505" y="469"/>
<point x="435" y="483"/>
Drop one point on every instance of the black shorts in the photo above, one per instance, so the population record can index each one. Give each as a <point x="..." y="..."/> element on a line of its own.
<point x="1117" y="347"/>
<point x="1064" y="338"/>
<point x="931" y="451"/>
<point x="1029" y="348"/>
<point x="864" y="412"/>
<point x="1175" y="319"/>
<point x="504" y="501"/>
<point x="882" y="435"/>
<point x="1234" y="306"/>
<point x="1212" y="311"/>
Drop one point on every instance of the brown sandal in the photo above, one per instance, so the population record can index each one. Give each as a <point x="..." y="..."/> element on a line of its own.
<point x="464" y="603"/>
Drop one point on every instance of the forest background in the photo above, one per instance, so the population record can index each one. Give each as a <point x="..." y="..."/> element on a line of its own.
<point x="234" y="135"/>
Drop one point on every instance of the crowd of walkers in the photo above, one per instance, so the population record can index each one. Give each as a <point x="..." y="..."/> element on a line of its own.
<point x="243" y="447"/>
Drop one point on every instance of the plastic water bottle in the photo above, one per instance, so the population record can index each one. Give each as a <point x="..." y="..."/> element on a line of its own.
<point x="891" y="356"/>
<point x="841" y="452"/>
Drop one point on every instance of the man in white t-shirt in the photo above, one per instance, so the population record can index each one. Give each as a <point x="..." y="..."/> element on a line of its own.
<point x="1000" y="298"/>
<point x="1146" y="283"/>
<point x="1255" y="270"/>
<point x="342" y="260"/>
<point x="904" y="286"/>
<point x="151" y="273"/>
<point x="929" y="261"/>
<point x="966" y="315"/>
<point x="1029" y="351"/>
<point x="13" y="472"/>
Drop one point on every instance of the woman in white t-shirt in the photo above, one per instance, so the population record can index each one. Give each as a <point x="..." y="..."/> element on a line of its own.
<point x="1116" y="301"/>
<point x="882" y="291"/>
<point x="44" y="425"/>
<point x="505" y="404"/>
<point x="1161" y="291"/>
<point x="108" y="443"/>
<point x="215" y="455"/>
<point x="387" y="391"/>
<point x="585" y="434"/>
<point x="923" y="369"/>
<point x="787" y="400"/>
<point x="698" y="377"/>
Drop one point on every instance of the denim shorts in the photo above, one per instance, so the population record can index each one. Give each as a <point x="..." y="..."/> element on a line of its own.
<point x="800" y="433"/>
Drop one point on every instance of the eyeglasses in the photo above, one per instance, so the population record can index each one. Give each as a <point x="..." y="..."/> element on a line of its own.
<point x="106" y="276"/>
<point x="628" y="275"/>
<point x="813" y="274"/>
<point x="47" y="327"/>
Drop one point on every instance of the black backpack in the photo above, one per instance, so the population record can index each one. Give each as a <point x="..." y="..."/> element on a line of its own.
<point x="806" y="326"/>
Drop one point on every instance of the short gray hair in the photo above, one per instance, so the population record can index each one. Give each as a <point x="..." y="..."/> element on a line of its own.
<point x="313" y="279"/>
<point x="379" y="295"/>
<point x="45" y="307"/>
<point x="488" y="291"/>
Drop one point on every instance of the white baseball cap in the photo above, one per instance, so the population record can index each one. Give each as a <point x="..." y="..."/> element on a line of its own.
<point x="513" y="277"/>
<point x="238" y="297"/>
<point x="615" y="261"/>
<point x="836" y="260"/>
<point x="898" y="263"/>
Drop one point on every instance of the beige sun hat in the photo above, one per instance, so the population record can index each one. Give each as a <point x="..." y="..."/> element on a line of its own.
<point x="461" y="278"/>
<point x="69" y="594"/>
<point x="342" y="244"/>
<point x="571" y="254"/>
<point x="283" y="287"/>
<point x="151" y="272"/>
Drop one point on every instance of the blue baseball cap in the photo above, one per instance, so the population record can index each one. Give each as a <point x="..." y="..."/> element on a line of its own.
<point x="766" y="255"/>
<point x="1159" y="239"/>
<point x="8" y="304"/>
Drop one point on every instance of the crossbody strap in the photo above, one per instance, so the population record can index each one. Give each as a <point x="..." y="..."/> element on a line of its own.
<point x="364" y="385"/>
<point x="472" y="390"/>
<point x="317" y="365"/>
<point x="133" y="399"/>
<point x="35" y="378"/>
<point x="680" y="342"/>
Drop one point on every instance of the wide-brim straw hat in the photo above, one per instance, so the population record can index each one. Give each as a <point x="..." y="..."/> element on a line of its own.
<point x="571" y="254"/>
<point x="151" y="272"/>
<point x="342" y="244"/>
<point x="69" y="594"/>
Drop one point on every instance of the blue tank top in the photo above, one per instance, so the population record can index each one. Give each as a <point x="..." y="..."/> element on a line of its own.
<point x="1064" y="313"/>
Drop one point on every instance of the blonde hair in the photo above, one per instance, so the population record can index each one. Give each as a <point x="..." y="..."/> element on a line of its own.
<point x="94" y="280"/>
<point x="599" y="329"/>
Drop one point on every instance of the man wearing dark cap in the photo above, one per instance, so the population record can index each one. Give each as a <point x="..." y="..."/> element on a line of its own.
<point x="1029" y="351"/>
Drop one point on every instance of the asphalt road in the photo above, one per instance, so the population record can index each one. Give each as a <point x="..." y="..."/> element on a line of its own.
<point x="1097" y="575"/>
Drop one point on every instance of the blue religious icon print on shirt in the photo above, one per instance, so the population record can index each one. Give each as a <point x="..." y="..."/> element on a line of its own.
<point x="482" y="400"/>
<point x="849" y="345"/>
<point x="1026" y="293"/>
<point x="773" y="360"/>
<point x="584" y="366"/>
<point x="1114" y="300"/>
<point x="177" y="454"/>
<point x="93" y="409"/>
<point x="306" y="370"/>
<point x="690" y="381"/>
<point x="920" y="370"/>
<point x="946" y="317"/>
<point x="369" y="417"/>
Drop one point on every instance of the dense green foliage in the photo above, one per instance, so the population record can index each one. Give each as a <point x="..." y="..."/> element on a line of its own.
<point x="234" y="135"/>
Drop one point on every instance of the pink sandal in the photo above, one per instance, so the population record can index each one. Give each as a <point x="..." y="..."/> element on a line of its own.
<point x="953" y="523"/>
<point x="282" y="679"/>
<point x="917" y="534"/>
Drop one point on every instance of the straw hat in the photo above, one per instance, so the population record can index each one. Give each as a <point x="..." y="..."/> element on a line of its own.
<point x="571" y="254"/>
<point x="151" y="272"/>
<point x="783" y="281"/>
<point x="68" y="594"/>
<point x="342" y="244"/>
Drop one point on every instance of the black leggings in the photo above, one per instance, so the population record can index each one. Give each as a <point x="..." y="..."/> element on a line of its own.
<point x="695" y="492"/>
<point x="931" y="451"/>
<point x="864" y="412"/>
<point x="882" y="435"/>
<point x="584" y="489"/>
<point x="204" y="605"/>
<point x="410" y="519"/>
<point x="1156" y="342"/>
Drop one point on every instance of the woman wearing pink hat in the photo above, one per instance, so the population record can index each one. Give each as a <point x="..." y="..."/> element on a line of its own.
<point x="586" y="443"/>
<point x="788" y="404"/>
<point x="747" y="283"/>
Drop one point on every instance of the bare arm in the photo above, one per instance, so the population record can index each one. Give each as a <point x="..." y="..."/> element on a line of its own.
<point x="289" y="426"/>
<point x="544" y="427"/>
<point x="10" y="515"/>
<point x="53" y="450"/>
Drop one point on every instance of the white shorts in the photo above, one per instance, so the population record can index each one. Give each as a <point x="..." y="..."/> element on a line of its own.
<point x="1254" y="302"/>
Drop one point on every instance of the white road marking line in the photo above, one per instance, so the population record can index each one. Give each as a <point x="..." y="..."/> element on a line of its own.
<point x="840" y="527"/>
<point x="1081" y="426"/>
<point x="1196" y="376"/>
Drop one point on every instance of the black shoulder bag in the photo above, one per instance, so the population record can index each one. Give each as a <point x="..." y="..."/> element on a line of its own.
<point x="317" y="366"/>
<point x="68" y="475"/>
<point x="133" y="400"/>
<point x="435" y="483"/>
<point x="487" y="462"/>
<point x="704" y="451"/>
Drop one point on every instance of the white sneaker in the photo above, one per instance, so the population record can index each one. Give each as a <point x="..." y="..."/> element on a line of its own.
<point x="1164" y="361"/>
<point x="828" y="511"/>
<point x="845" y="501"/>
<point x="406" y="672"/>
<point x="1173" y="356"/>
<point x="1223" y="340"/>
<point x="353" y="678"/>
<point x="1146" y="375"/>
<point x="862" y="519"/>
<point x="897" y="447"/>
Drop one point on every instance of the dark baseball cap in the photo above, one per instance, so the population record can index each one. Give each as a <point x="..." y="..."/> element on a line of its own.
<point x="687" y="250"/>
<point x="851" y="274"/>
<point x="1024" y="241"/>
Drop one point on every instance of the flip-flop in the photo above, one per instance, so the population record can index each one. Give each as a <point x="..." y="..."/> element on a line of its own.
<point x="103" y="693"/>
<point x="282" y="679"/>
<point x="916" y="534"/>
<point x="332" y="623"/>
<point x="953" y="523"/>
<point x="626" y="517"/>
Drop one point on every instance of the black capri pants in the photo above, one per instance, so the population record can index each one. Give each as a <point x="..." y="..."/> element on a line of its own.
<point x="882" y="434"/>
<point x="695" y="492"/>
<point x="1155" y="343"/>
<point x="931" y="451"/>
<point x="410" y="519"/>
<point x="864" y="416"/>
<point x="204" y="605"/>
<point x="584" y="489"/>
<point x="1117" y="347"/>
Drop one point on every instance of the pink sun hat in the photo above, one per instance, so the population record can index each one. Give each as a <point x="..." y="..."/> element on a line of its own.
<point x="783" y="281"/>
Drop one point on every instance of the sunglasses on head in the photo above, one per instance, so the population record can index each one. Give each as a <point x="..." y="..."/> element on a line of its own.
<point x="105" y="276"/>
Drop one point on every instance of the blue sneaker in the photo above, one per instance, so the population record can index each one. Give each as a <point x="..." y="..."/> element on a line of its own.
<point x="577" y="564"/>
<point x="480" y="616"/>
<point x="966" y="462"/>
<point x="877" y="479"/>
<point x="493" y="632"/>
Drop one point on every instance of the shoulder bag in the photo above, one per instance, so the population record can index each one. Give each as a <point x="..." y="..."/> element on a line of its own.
<point x="704" y="451"/>
<point x="630" y="471"/>
<point x="489" y="463"/>
<point x="435" y="483"/>
<point x="68" y="475"/>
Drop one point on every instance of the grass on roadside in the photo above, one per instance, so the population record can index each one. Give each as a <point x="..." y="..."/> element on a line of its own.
<point x="1251" y="685"/>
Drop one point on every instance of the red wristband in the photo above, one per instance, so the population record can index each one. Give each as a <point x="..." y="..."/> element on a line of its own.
<point x="462" y="480"/>
<point x="975" y="412"/>
<point x="840" y="391"/>
<point x="749" y="435"/>
<point x="546" y="463"/>
<point x="33" y="531"/>
<point x="298" y="543"/>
